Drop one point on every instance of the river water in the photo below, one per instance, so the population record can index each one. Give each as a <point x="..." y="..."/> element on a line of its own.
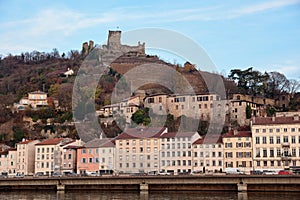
<point x="153" y="195"/>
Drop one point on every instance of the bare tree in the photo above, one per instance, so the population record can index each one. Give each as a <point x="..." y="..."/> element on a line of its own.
<point x="294" y="86"/>
<point x="277" y="83"/>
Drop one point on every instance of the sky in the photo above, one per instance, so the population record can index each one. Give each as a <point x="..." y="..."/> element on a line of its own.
<point x="264" y="35"/>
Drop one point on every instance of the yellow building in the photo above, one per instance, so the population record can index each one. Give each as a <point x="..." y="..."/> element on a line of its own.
<point x="238" y="150"/>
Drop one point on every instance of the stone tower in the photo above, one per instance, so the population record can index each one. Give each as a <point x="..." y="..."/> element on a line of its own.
<point x="114" y="39"/>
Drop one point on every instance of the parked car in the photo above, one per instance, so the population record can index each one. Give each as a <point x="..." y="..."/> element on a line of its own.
<point x="19" y="175"/>
<point x="70" y="174"/>
<point x="56" y="174"/>
<point x="164" y="173"/>
<point x="284" y="172"/>
<point x="4" y="175"/>
<point x="233" y="171"/>
<point x="92" y="173"/>
<point x="256" y="172"/>
<point x="39" y="174"/>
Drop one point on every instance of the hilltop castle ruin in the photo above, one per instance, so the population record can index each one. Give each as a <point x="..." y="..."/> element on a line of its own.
<point x="114" y="43"/>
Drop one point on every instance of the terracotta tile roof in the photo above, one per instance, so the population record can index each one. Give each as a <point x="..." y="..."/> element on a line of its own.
<point x="238" y="134"/>
<point x="95" y="143"/>
<point x="26" y="142"/>
<point x="275" y="120"/>
<point x="54" y="141"/>
<point x="209" y="139"/>
<point x="177" y="134"/>
<point x="141" y="132"/>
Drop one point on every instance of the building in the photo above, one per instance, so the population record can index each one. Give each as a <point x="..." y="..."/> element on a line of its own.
<point x="176" y="153"/>
<point x="238" y="150"/>
<point x="137" y="149"/>
<point x="34" y="100"/>
<point x="69" y="159"/>
<point x="48" y="154"/>
<point x="276" y="142"/>
<point x="8" y="161"/>
<point x="238" y="108"/>
<point x="26" y="156"/>
<point x="208" y="154"/>
<point x="96" y="156"/>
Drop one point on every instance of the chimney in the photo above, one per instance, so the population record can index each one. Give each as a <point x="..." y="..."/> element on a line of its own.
<point x="235" y="132"/>
<point x="296" y="117"/>
<point x="273" y="119"/>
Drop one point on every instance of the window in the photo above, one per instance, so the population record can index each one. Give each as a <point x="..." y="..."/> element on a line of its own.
<point x="264" y="139"/>
<point x="292" y="129"/>
<point x="285" y="139"/>
<point x="90" y="160"/>
<point x="257" y="152"/>
<point x="264" y="130"/>
<point x="293" y="139"/>
<point x="271" y="140"/>
<point x="293" y="152"/>
<point x="271" y="130"/>
<point x="278" y="152"/>
<point x="271" y="152"/>
<point x="277" y="139"/>
<point x="285" y="130"/>
<point x="277" y="130"/>
<point x="83" y="160"/>
<point x="258" y="163"/>
<point x="257" y="130"/>
<point x="264" y="152"/>
<point x="257" y="140"/>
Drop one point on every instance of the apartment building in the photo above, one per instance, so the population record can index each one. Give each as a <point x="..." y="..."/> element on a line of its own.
<point x="69" y="159"/>
<point x="208" y="154"/>
<point x="96" y="156"/>
<point x="26" y="156"/>
<point x="176" y="152"/>
<point x="137" y="149"/>
<point x="48" y="154"/>
<point x="238" y="150"/>
<point x="276" y="142"/>
<point x="8" y="161"/>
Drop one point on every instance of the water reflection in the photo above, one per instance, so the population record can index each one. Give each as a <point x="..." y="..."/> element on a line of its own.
<point x="118" y="195"/>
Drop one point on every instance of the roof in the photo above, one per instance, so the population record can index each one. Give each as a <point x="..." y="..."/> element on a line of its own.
<point x="54" y="141"/>
<point x="275" y="120"/>
<point x="209" y="139"/>
<point x="238" y="134"/>
<point x="141" y="132"/>
<point x="72" y="147"/>
<point x="26" y="142"/>
<point x="177" y="134"/>
<point x="96" y="143"/>
<point x="37" y="92"/>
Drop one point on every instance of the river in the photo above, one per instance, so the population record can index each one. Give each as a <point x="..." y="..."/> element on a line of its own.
<point x="154" y="195"/>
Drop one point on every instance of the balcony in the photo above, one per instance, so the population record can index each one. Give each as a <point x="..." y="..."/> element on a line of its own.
<point x="286" y="158"/>
<point x="285" y="144"/>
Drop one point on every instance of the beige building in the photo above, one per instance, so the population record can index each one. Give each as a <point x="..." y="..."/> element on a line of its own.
<point x="238" y="150"/>
<point x="238" y="105"/>
<point x="35" y="99"/>
<point x="8" y="161"/>
<point x="49" y="156"/>
<point x="69" y="159"/>
<point x="276" y="142"/>
<point x="26" y="156"/>
<point x="208" y="154"/>
<point x="176" y="153"/>
<point x="137" y="149"/>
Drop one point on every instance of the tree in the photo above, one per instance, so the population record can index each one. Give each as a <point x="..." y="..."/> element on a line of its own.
<point x="248" y="112"/>
<point x="277" y="84"/>
<point x="141" y="116"/>
<point x="293" y="86"/>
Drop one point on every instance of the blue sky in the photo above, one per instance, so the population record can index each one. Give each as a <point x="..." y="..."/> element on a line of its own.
<point x="235" y="34"/>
